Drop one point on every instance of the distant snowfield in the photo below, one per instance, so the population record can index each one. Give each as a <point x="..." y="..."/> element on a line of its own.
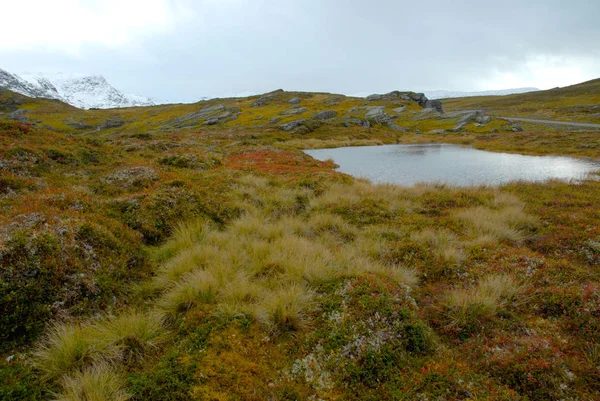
<point x="79" y="90"/>
<point x="86" y="91"/>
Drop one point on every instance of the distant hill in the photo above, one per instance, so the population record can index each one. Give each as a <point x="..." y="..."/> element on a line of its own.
<point x="444" y="94"/>
<point x="82" y="91"/>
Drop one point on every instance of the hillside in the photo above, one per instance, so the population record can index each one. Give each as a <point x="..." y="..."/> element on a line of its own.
<point x="194" y="252"/>
<point x="579" y="102"/>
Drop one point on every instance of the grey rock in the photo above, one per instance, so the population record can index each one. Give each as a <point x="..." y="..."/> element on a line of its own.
<point x="291" y="125"/>
<point x="417" y="132"/>
<point x="211" y="121"/>
<point x="374" y="111"/>
<point x="394" y="95"/>
<point x="18" y="115"/>
<point x="437" y="131"/>
<point x="477" y="125"/>
<point x="357" y="121"/>
<point x="484" y="119"/>
<point x="295" y="100"/>
<point x="460" y="127"/>
<point x="112" y="123"/>
<point x="274" y="120"/>
<point x="294" y="111"/>
<point x="516" y="128"/>
<point x="207" y="113"/>
<point x="396" y="127"/>
<point x="433" y="104"/>
<point x="326" y="115"/>
<point x="71" y="122"/>
<point x="266" y="98"/>
<point x="467" y="118"/>
<point x="399" y="110"/>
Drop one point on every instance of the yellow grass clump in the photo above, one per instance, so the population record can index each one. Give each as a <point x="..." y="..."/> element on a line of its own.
<point x="100" y="382"/>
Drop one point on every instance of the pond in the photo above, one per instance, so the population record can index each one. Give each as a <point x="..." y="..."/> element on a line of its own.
<point x="451" y="164"/>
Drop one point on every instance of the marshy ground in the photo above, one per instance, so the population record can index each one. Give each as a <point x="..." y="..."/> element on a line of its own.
<point x="142" y="259"/>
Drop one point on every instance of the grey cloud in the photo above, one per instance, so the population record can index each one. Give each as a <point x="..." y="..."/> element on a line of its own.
<point x="340" y="46"/>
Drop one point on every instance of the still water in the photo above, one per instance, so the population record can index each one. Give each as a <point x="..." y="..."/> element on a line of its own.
<point x="451" y="164"/>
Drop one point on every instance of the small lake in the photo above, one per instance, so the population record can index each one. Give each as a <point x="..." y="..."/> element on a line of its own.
<point x="451" y="164"/>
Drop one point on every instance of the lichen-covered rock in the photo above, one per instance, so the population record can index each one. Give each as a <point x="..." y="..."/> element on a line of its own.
<point x="294" y="111"/>
<point x="294" y="100"/>
<point x="326" y="115"/>
<point x="291" y="125"/>
<point x="135" y="177"/>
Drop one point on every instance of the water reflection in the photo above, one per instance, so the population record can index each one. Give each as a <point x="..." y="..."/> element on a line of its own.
<point x="451" y="164"/>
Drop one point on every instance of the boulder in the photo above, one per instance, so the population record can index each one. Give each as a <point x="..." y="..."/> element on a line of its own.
<point x="484" y="119"/>
<point x="437" y="131"/>
<point x="326" y="115"/>
<point x="516" y="128"/>
<point x="399" y="110"/>
<point x="294" y="111"/>
<point x="266" y="98"/>
<point x="294" y="100"/>
<point x="374" y="111"/>
<point x="112" y="123"/>
<point x="18" y="115"/>
<point x="357" y="121"/>
<point x="274" y="120"/>
<point x="433" y="104"/>
<point x="460" y="127"/>
<point x="291" y="125"/>
<point x="77" y="124"/>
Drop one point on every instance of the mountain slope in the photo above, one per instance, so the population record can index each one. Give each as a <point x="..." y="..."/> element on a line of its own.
<point x="82" y="91"/>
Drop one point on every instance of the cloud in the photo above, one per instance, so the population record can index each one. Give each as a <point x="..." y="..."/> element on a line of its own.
<point x="184" y="49"/>
<point x="68" y="25"/>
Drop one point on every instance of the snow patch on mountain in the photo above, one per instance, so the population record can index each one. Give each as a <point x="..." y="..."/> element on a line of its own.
<point x="79" y="90"/>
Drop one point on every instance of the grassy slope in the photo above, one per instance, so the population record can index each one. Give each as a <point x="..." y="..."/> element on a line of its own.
<point x="229" y="265"/>
<point x="580" y="103"/>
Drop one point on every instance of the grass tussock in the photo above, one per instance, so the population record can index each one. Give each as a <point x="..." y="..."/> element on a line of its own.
<point x="133" y="333"/>
<point x="509" y="223"/>
<point x="445" y="245"/>
<point x="490" y="295"/>
<point x="286" y="309"/>
<point x="69" y="347"/>
<point x="100" y="382"/>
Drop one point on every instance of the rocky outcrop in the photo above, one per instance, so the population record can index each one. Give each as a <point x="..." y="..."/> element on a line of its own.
<point x="266" y="98"/>
<point x="294" y="100"/>
<point x="211" y="115"/>
<point x="291" y="125"/>
<point x="419" y="98"/>
<point x="325" y="115"/>
<point x="294" y="111"/>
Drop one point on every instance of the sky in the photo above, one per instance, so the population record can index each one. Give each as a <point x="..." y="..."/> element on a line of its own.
<point x="183" y="50"/>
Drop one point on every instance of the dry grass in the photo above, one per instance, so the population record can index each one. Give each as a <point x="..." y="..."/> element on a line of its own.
<point x="68" y="347"/>
<point x="491" y="294"/>
<point x="509" y="223"/>
<point x="286" y="309"/>
<point x="133" y="333"/>
<point x="198" y="287"/>
<point x="96" y="383"/>
<point x="444" y="244"/>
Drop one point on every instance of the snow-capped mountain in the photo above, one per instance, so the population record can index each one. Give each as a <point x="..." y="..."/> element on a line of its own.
<point x="83" y="91"/>
<point x="442" y="94"/>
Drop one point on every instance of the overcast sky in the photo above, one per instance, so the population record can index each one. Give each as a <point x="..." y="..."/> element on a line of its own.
<point x="181" y="50"/>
